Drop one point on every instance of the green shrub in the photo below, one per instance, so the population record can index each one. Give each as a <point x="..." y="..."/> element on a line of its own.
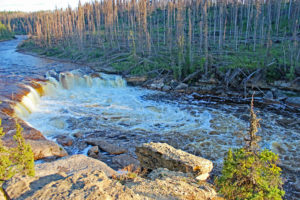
<point x="248" y="172"/>
<point x="17" y="160"/>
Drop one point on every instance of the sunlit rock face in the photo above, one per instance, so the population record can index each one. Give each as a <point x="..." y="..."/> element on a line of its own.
<point x="103" y="106"/>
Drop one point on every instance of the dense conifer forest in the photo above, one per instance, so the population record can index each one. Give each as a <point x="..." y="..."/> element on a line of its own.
<point x="188" y="39"/>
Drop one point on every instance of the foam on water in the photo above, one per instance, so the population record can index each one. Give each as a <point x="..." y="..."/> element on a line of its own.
<point x="106" y="100"/>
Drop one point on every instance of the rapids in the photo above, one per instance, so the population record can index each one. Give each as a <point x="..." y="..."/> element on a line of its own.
<point x="80" y="101"/>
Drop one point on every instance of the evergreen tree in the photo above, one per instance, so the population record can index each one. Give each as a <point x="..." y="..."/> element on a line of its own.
<point x="17" y="160"/>
<point x="251" y="173"/>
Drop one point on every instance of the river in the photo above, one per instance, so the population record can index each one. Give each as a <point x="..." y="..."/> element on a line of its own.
<point x="76" y="100"/>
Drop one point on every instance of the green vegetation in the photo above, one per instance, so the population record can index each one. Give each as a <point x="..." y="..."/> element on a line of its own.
<point x="5" y="33"/>
<point x="17" y="160"/>
<point x="248" y="172"/>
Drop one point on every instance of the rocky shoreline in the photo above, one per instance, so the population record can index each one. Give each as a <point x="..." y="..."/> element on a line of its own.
<point x="174" y="175"/>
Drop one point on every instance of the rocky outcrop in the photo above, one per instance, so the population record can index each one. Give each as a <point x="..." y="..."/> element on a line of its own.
<point x="105" y="146"/>
<point x="95" y="184"/>
<point x="165" y="184"/>
<point x="46" y="148"/>
<point x="81" y="177"/>
<point x="85" y="185"/>
<point x="161" y="155"/>
<point x="49" y="173"/>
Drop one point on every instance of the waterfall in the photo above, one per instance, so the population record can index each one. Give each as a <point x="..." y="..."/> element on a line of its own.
<point x="73" y="80"/>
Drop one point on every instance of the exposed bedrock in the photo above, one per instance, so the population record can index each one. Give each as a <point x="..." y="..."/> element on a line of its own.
<point x="81" y="177"/>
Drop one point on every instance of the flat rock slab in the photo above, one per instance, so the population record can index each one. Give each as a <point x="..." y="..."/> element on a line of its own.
<point x="161" y="155"/>
<point x="105" y="146"/>
<point x="21" y="187"/>
<point x="89" y="185"/>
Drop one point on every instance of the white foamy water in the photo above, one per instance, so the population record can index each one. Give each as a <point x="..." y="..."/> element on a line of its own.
<point x="105" y="101"/>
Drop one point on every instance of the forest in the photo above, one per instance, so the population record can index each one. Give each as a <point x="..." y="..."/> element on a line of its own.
<point x="5" y="32"/>
<point x="188" y="39"/>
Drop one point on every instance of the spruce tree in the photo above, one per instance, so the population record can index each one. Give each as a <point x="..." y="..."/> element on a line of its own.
<point x="249" y="172"/>
<point x="15" y="161"/>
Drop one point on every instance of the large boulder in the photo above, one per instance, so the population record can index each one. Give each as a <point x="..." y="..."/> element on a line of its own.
<point x="46" y="148"/>
<point x="161" y="155"/>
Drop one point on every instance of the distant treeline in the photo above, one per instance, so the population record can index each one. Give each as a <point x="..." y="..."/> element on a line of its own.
<point x="181" y="37"/>
<point x="5" y="32"/>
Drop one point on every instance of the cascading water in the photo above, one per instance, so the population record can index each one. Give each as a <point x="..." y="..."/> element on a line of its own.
<point x="66" y="81"/>
<point x="101" y="105"/>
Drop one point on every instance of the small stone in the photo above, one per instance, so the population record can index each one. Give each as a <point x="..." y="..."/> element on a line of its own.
<point x="78" y="135"/>
<point x="105" y="146"/>
<point x="136" y="80"/>
<point x="124" y="160"/>
<point x="174" y="83"/>
<point x="268" y="95"/>
<point x="94" y="152"/>
<point x="297" y="185"/>
<point x="294" y="101"/>
<point x="64" y="140"/>
<point x="181" y="86"/>
<point x="202" y="177"/>
<point x="157" y="86"/>
<point x="166" y="88"/>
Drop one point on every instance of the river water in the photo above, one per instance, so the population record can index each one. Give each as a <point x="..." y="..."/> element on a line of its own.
<point x="99" y="105"/>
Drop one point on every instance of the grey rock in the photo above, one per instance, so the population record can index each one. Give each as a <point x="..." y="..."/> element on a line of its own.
<point x="268" y="95"/>
<point x="64" y="140"/>
<point x="125" y="160"/>
<point x="294" y="101"/>
<point x="161" y="155"/>
<point x="93" y="152"/>
<point x="105" y="146"/>
<point x="136" y="80"/>
<point x="78" y="135"/>
<point x="157" y="85"/>
<point x="166" y="88"/>
<point x="181" y="86"/>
